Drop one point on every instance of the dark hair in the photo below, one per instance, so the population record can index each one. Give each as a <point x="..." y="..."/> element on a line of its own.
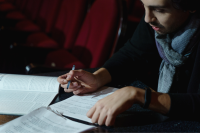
<point x="191" y="5"/>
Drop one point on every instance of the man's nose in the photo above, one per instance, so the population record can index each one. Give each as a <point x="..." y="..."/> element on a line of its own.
<point x="149" y="17"/>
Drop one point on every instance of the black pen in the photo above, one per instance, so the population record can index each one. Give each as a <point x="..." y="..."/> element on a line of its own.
<point x="73" y="68"/>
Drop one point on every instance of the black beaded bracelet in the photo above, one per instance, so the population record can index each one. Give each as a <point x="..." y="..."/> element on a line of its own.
<point x="147" y="98"/>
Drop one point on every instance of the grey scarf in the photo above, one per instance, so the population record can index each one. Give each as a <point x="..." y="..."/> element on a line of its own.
<point x="172" y="51"/>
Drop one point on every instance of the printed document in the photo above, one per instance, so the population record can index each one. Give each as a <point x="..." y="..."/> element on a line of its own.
<point x="78" y="106"/>
<point x="43" y="120"/>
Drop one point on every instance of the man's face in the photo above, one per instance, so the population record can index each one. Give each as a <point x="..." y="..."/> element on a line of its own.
<point x="163" y="17"/>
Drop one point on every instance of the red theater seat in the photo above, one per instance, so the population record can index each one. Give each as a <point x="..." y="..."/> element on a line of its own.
<point x="17" y="15"/>
<point x="31" y="13"/>
<point x="70" y="17"/>
<point x="27" y="25"/>
<point x="95" y="39"/>
<point x="8" y="5"/>
<point x="4" y="7"/>
<point x="18" y="32"/>
<point x="48" y="14"/>
<point x="9" y="19"/>
<point x="43" y="20"/>
<point x="41" y="40"/>
<point x="30" y="10"/>
<point x="1" y="1"/>
<point x="11" y="1"/>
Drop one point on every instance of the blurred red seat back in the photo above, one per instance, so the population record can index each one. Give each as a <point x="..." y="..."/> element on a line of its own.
<point x="63" y="25"/>
<point x="22" y="5"/>
<point x="31" y="12"/>
<point x="48" y="14"/>
<point x="6" y="7"/>
<point x="18" y="14"/>
<point x="17" y="3"/>
<point x="11" y="1"/>
<point x="96" y="38"/>
<point x="32" y="8"/>
<point x="69" y="21"/>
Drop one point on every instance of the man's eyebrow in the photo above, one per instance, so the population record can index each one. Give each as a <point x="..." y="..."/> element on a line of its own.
<point x="155" y="6"/>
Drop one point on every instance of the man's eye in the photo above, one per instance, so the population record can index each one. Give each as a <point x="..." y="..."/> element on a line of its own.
<point x="160" y="10"/>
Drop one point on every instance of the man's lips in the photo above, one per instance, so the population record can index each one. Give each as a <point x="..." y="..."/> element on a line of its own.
<point x="155" y="28"/>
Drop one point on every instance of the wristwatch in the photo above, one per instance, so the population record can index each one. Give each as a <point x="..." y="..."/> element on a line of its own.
<point x="147" y="98"/>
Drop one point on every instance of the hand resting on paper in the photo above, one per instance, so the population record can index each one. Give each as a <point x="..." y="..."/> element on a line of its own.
<point x="106" y="109"/>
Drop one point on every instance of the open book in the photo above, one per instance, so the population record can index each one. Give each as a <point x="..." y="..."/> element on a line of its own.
<point x="21" y="94"/>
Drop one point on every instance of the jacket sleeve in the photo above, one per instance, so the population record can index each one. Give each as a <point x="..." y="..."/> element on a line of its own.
<point x="184" y="106"/>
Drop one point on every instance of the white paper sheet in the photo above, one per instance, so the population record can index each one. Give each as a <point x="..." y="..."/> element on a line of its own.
<point x="28" y="83"/>
<point x="44" y="121"/>
<point x="20" y="94"/>
<point x="78" y="106"/>
<point x="23" y="102"/>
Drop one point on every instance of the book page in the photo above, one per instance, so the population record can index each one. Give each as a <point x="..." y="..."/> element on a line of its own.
<point x="43" y="120"/>
<point x="20" y="94"/>
<point x="28" y="83"/>
<point x="78" y="106"/>
<point x="23" y="102"/>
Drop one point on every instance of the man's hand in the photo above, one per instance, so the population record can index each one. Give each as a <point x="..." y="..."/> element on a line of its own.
<point x="106" y="109"/>
<point x="83" y="81"/>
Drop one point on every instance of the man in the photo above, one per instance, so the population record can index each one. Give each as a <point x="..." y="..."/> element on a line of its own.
<point x="169" y="30"/>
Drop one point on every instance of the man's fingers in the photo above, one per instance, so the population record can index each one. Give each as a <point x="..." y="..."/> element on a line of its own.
<point x="72" y="87"/>
<point x="64" y="86"/>
<point x="74" y="84"/>
<point x="63" y="76"/>
<point x="71" y="76"/>
<point x="81" y="75"/>
<point x="95" y="116"/>
<point x="68" y="90"/>
<point x="79" y="90"/>
<point x="102" y="118"/>
<point x="91" y="112"/>
<point x="110" y="121"/>
<point x="75" y="73"/>
<point x="63" y="79"/>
